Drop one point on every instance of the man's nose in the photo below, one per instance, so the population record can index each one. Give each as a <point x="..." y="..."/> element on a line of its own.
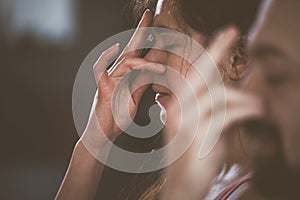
<point x="256" y="85"/>
<point x="255" y="82"/>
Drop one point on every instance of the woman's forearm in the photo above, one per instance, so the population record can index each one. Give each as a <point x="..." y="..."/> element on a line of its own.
<point x="82" y="177"/>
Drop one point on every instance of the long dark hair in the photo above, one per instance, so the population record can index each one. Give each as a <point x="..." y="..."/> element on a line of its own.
<point x="205" y="16"/>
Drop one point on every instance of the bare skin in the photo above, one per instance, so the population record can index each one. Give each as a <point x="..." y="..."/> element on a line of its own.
<point x="85" y="171"/>
<point x="163" y="18"/>
<point x="274" y="45"/>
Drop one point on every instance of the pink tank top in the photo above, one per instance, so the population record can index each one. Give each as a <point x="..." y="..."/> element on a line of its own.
<point x="227" y="192"/>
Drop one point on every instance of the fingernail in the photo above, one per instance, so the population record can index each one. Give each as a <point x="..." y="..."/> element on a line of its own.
<point x="114" y="46"/>
<point x="143" y="16"/>
<point x="146" y="11"/>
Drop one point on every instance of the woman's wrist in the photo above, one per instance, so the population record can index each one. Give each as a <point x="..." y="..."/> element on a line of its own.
<point x="81" y="154"/>
<point x="95" y="140"/>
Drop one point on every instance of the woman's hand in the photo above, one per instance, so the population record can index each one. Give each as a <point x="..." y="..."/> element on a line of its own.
<point x="84" y="171"/>
<point x="114" y="104"/>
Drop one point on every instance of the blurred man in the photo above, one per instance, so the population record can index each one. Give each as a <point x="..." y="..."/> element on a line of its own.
<point x="275" y="46"/>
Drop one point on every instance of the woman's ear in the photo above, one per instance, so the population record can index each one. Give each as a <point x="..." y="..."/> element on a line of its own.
<point x="238" y="61"/>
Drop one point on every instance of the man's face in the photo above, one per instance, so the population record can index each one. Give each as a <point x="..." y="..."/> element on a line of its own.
<point x="275" y="46"/>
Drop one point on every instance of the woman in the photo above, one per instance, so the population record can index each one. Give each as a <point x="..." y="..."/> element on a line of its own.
<point x="198" y="19"/>
<point x="85" y="171"/>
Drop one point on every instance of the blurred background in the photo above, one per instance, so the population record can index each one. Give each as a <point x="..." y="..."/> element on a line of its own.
<point x="42" y="44"/>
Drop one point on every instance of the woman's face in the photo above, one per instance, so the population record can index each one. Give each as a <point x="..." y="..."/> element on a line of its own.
<point x="164" y="18"/>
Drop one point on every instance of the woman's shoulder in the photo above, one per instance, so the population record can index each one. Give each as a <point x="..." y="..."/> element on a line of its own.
<point x="229" y="183"/>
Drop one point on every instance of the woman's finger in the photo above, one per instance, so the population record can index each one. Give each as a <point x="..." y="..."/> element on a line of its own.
<point x="136" y="40"/>
<point x="237" y="109"/>
<point x="138" y="37"/>
<point x="140" y="85"/>
<point x="222" y="43"/>
<point x="104" y="59"/>
<point x="206" y="65"/>
<point x="128" y="64"/>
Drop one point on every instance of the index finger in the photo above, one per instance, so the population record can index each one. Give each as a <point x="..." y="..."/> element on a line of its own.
<point x="139" y="34"/>
<point x="207" y="63"/>
<point x="136" y="41"/>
